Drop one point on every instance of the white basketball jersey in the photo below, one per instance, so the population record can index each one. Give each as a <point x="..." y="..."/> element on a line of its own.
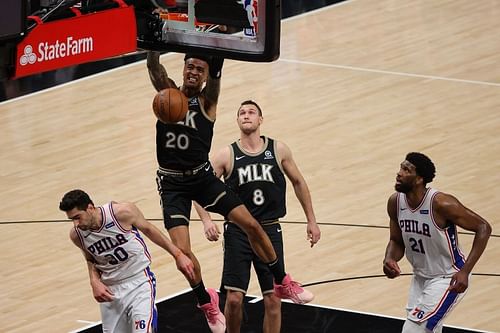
<point x="431" y="250"/>
<point x="119" y="253"/>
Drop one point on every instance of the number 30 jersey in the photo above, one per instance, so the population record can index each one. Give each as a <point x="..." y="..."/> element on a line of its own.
<point x="431" y="250"/>
<point x="118" y="253"/>
<point x="259" y="181"/>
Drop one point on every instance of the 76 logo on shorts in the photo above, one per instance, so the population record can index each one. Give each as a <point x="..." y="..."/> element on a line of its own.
<point x="140" y="324"/>
<point x="418" y="313"/>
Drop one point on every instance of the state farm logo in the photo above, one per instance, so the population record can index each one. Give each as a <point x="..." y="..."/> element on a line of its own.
<point x="28" y="56"/>
<point x="50" y="51"/>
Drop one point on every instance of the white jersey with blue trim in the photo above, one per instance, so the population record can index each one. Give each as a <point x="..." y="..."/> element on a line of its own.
<point x="119" y="254"/>
<point x="432" y="251"/>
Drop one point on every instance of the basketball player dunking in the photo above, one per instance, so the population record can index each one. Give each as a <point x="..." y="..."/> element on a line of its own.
<point x="423" y="223"/>
<point x="255" y="167"/>
<point x="185" y="174"/>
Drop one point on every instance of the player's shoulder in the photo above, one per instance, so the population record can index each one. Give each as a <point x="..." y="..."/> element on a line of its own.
<point x="124" y="209"/>
<point x="72" y="234"/>
<point x="444" y="200"/>
<point x="282" y="148"/>
<point x="393" y="198"/>
<point x="223" y="156"/>
<point x="224" y="152"/>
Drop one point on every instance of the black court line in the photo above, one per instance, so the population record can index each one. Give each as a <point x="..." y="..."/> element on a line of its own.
<point x="220" y="220"/>
<point x="377" y="276"/>
<point x="179" y="314"/>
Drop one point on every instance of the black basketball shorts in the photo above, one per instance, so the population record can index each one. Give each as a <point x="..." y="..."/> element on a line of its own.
<point x="238" y="257"/>
<point x="178" y="191"/>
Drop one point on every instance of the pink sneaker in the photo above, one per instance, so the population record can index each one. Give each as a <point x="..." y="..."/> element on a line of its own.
<point x="215" y="318"/>
<point x="292" y="290"/>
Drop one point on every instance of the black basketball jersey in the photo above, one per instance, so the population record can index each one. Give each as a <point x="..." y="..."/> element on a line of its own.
<point x="185" y="144"/>
<point x="259" y="181"/>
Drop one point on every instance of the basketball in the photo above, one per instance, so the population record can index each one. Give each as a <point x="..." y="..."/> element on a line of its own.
<point x="170" y="105"/>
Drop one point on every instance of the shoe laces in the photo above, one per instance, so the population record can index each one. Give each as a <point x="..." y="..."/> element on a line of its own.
<point x="294" y="287"/>
<point x="211" y="312"/>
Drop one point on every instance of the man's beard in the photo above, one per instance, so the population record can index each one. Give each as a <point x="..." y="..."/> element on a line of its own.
<point x="403" y="188"/>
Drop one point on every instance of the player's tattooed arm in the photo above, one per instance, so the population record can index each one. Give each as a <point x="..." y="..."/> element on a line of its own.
<point x="157" y="72"/>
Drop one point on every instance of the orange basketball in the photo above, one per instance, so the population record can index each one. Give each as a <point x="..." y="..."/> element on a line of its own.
<point x="170" y="105"/>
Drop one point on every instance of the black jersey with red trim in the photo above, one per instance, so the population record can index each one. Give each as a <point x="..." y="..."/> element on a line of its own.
<point x="185" y="144"/>
<point x="259" y="180"/>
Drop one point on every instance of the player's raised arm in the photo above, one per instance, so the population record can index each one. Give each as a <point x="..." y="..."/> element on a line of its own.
<point x="212" y="88"/>
<point x="157" y="72"/>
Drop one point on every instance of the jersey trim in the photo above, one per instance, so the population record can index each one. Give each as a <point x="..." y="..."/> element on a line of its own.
<point x="277" y="156"/>
<point x="152" y="322"/>
<point x="139" y="238"/>
<point x="215" y="201"/>
<point x="103" y="219"/>
<point x="264" y="147"/>
<point x="421" y="202"/>
<point x="439" y="313"/>
<point x="114" y="219"/>
<point x="231" y="162"/>
<point x="431" y="208"/>
<point x="202" y="107"/>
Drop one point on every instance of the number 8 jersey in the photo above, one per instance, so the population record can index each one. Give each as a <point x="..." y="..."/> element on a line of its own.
<point x="119" y="254"/>
<point x="432" y="251"/>
<point x="259" y="181"/>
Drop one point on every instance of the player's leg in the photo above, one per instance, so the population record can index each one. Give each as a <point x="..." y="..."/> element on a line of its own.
<point x="256" y="235"/>
<point x="176" y="207"/>
<point x="272" y="313"/>
<point x="140" y="304"/>
<point x="429" y="303"/>
<point x="272" y="303"/>
<point x="238" y="256"/>
<point x="233" y="310"/>
<point x="111" y="315"/>
<point x="215" y="197"/>
<point x="285" y="287"/>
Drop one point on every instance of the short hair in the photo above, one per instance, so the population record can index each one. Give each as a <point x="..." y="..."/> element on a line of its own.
<point x="203" y="57"/>
<point x="423" y="165"/>
<point x="249" y="101"/>
<point x="75" y="199"/>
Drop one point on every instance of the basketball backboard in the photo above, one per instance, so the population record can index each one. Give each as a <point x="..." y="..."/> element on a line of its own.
<point x="246" y="30"/>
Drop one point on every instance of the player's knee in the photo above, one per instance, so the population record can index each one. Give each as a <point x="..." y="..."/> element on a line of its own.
<point x="234" y="300"/>
<point x="272" y="304"/>
<point x="242" y="217"/>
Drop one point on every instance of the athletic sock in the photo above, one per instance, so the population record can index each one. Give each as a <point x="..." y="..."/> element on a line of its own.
<point x="278" y="272"/>
<point x="201" y="294"/>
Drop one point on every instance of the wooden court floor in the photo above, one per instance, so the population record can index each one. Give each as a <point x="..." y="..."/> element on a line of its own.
<point x="357" y="86"/>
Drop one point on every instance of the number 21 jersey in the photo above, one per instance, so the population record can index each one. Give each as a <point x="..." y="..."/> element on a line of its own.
<point x="431" y="250"/>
